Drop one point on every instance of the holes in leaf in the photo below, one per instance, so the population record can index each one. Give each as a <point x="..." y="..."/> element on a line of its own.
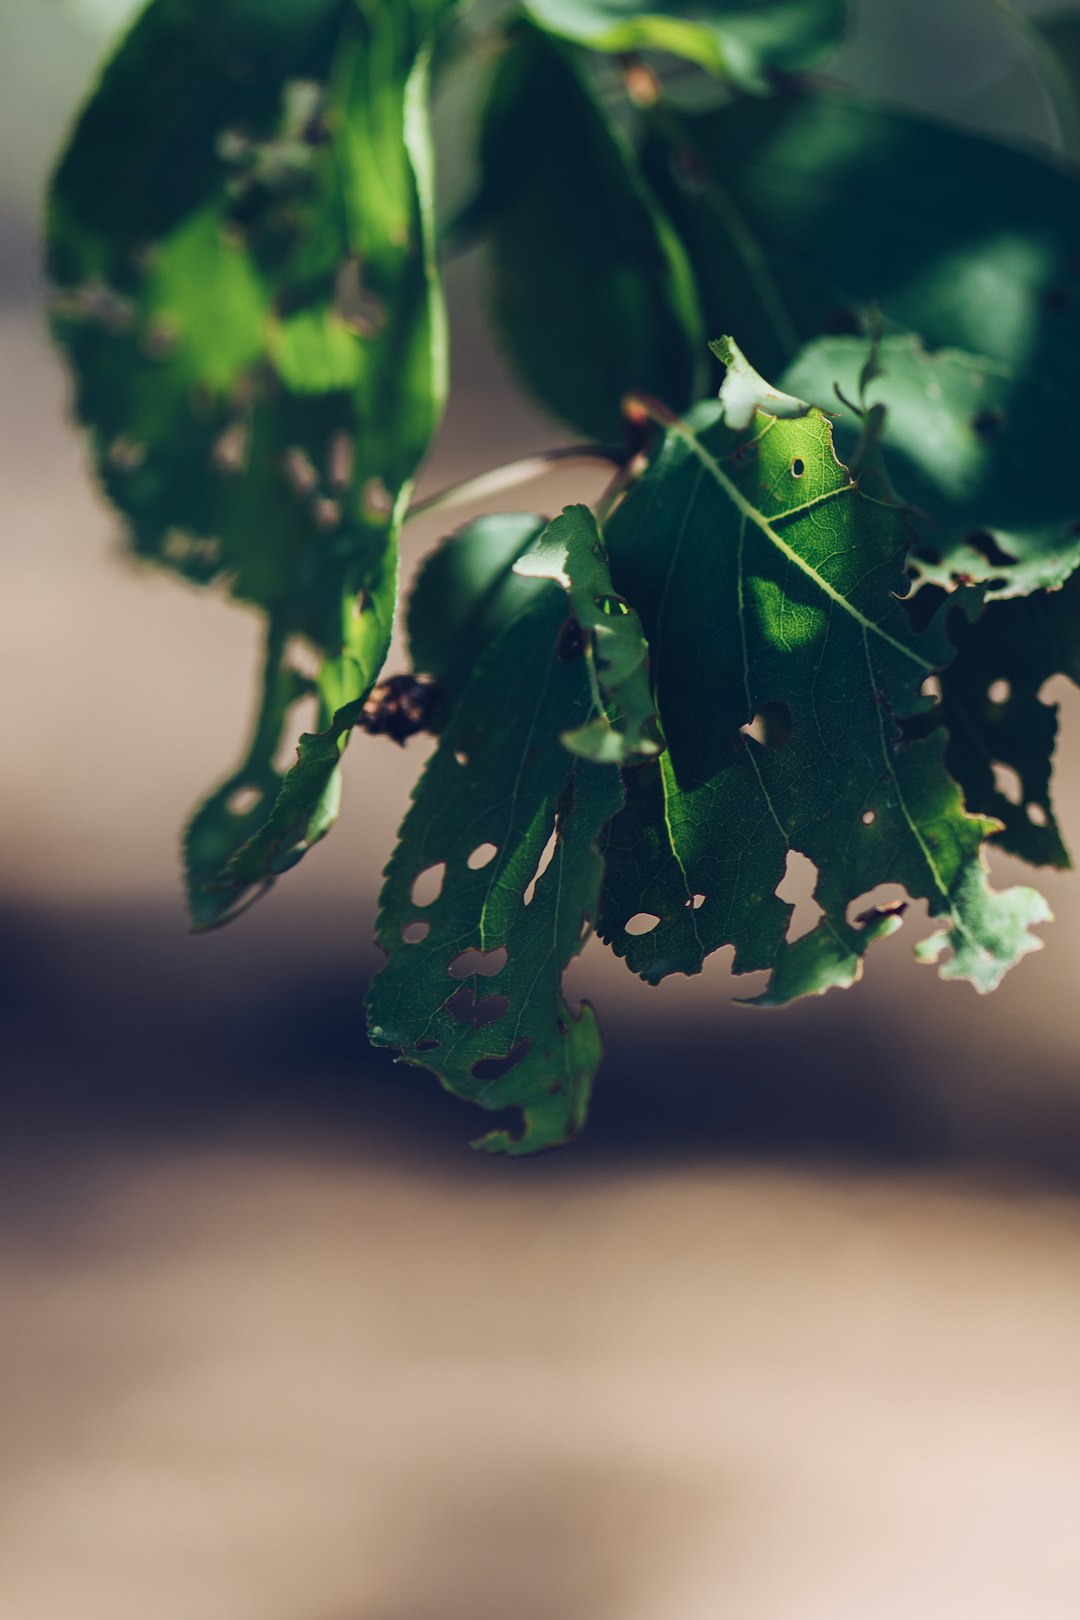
<point x="126" y="454"/>
<point x="426" y="1046"/>
<point x="378" y="502"/>
<point x="486" y="963"/>
<point x="339" y="461"/>
<point x="798" y="467"/>
<point x="416" y="931"/>
<point x="695" y="902"/>
<point x="243" y="800"/>
<point x="362" y="311"/>
<point x="888" y="899"/>
<point x="494" y="1068"/>
<point x="230" y="451"/>
<point x="613" y="607"/>
<point x="923" y="604"/>
<point x="772" y="725"/>
<point x="1007" y="782"/>
<point x="305" y="659"/>
<point x="796" y="888"/>
<point x="869" y="817"/>
<point x="982" y="541"/>
<point x="427" y="886"/>
<point x="481" y="856"/>
<point x="467" y="744"/>
<point x="987" y="425"/>
<point x="931" y="688"/>
<point x="300" y="474"/>
<point x="327" y="514"/>
<point x="642" y="922"/>
<point x="999" y="691"/>
<point x="1037" y="815"/>
<point x="541" y="867"/>
<point x="468" y="1008"/>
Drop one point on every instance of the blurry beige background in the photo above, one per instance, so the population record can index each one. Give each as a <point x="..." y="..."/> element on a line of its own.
<point x="791" y="1335"/>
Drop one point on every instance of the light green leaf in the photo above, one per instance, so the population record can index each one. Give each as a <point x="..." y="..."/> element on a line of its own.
<point x="784" y="665"/>
<point x="962" y="440"/>
<point x="571" y="552"/>
<point x="245" y="290"/>
<point x="501" y="796"/>
<point x="593" y="296"/>
<point x="741" y="40"/>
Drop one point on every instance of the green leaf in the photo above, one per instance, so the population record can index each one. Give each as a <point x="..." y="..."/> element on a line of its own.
<point x="741" y="40"/>
<point x="593" y="296"/>
<point x="994" y="716"/>
<point x="962" y="440"/>
<point x="494" y="1027"/>
<point x="767" y="582"/>
<point x="571" y="552"/>
<point x="800" y="211"/>
<point x="245" y="290"/>
<point x="465" y="593"/>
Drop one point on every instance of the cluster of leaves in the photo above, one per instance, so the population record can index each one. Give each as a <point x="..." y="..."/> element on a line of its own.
<point x="814" y="617"/>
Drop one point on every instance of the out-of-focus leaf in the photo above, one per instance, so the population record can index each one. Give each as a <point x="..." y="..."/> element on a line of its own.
<point x="465" y="594"/>
<point x="767" y="582"/>
<point x="962" y="443"/>
<point x="571" y="552"/>
<point x="504" y="820"/>
<point x="239" y="241"/>
<point x="800" y="210"/>
<point x="742" y="40"/>
<point x="593" y="296"/>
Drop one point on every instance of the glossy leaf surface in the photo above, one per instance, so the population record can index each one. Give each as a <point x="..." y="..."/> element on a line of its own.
<point x="962" y="440"/>
<point x="592" y="294"/>
<point x="244" y="287"/>
<point x="767" y="582"/>
<point x="471" y="988"/>
<point x="742" y="40"/>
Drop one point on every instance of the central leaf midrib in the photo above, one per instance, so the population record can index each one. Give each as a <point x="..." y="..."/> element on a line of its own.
<point x="748" y="511"/>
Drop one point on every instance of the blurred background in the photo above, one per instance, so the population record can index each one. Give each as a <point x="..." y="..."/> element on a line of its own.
<point x="791" y="1334"/>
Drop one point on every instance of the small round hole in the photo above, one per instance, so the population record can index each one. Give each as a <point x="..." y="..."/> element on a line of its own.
<point x="642" y="922"/>
<point x="1037" y="816"/>
<point x="427" y="886"/>
<point x="798" y="467"/>
<point x="868" y="818"/>
<point x="243" y="800"/>
<point x="999" y="691"/>
<point x="415" y="931"/>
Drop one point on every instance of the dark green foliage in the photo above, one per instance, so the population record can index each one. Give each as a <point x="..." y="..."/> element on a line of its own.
<point x="593" y="293"/>
<point x="819" y="629"/>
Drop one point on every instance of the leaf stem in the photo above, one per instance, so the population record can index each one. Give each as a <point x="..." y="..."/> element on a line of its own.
<point x="512" y="475"/>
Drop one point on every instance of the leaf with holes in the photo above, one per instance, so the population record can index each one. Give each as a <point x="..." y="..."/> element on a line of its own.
<point x="784" y="667"/>
<point x="1001" y="733"/>
<point x="471" y="987"/>
<point x="255" y="334"/>
<point x="593" y="296"/>
<point x="741" y="40"/>
<point x="571" y="552"/>
<point x="961" y="440"/>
